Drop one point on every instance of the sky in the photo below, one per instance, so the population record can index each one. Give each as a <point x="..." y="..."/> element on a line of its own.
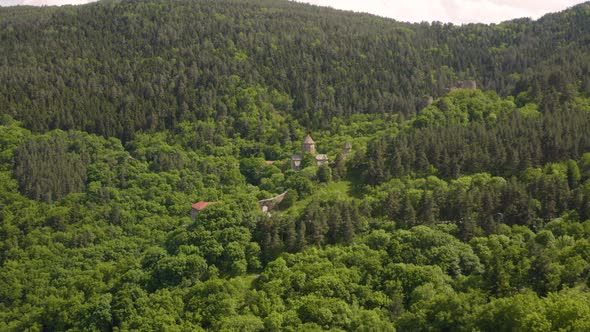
<point x="456" y="11"/>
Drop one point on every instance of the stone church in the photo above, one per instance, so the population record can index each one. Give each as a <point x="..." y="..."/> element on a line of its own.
<point x="308" y="146"/>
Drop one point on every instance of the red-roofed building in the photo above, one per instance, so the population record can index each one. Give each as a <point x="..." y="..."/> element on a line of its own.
<point x="198" y="207"/>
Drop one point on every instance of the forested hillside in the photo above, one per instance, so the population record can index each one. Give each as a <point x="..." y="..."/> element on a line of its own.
<point x="116" y="67"/>
<point x="470" y="213"/>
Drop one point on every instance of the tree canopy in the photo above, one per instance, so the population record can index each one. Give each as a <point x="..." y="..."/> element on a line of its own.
<point x="470" y="213"/>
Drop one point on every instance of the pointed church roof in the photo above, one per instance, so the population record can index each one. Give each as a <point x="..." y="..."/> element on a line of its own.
<point x="347" y="145"/>
<point x="308" y="140"/>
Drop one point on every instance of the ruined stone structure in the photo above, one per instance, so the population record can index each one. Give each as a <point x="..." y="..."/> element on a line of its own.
<point x="267" y="204"/>
<point x="465" y="84"/>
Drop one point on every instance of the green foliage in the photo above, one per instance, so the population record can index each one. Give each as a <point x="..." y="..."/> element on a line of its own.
<point x="290" y="198"/>
<point x="324" y="173"/>
<point x="451" y="148"/>
<point x="67" y="68"/>
<point x="470" y="214"/>
<point x="50" y="167"/>
<point x="350" y="269"/>
<point x="461" y="107"/>
<point x="301" y="184"/>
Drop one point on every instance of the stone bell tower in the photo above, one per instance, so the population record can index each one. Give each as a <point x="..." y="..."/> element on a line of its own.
<point x="308" y="145"/>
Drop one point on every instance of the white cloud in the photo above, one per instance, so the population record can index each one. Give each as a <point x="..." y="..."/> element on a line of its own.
<point x="43" y="2"/>
<point x="456" y="11"/>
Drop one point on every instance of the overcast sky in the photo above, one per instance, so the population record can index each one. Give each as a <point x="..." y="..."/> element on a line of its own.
<point x="456" y="11"/>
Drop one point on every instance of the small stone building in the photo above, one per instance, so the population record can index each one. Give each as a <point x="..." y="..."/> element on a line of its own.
<point x="296" y="162"/>
<point x="321" y="159"/>
<point x="198" y="207"/>
<point x="267" y="204"/>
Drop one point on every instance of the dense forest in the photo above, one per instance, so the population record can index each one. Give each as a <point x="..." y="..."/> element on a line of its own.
<point x="456" y="210"/>
<point x="114" y="68"/>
